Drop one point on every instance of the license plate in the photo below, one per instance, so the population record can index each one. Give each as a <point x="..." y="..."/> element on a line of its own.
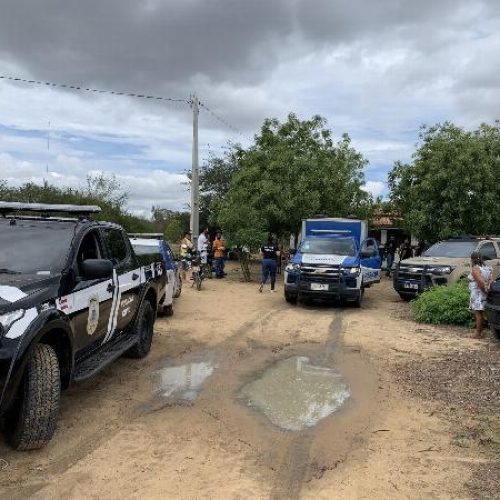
<point x="410" y="286"/>
<point x="319" y="286"/>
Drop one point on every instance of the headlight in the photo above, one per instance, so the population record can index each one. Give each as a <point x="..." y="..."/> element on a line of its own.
<point x="441" y="269"/>
<point x="351" y="270"/>
<point x="8" y="319"/>
<point x="292" y="267"/>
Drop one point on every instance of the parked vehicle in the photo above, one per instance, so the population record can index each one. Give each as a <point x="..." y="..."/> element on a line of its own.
<point x="73" y="298"/>
<point x="148" y="245"/>
<point x="444" y="263"/>
<point x="334" y="260"/>
<point x="492" y="309"/>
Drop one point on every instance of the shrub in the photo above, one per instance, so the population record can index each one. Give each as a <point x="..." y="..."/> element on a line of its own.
<point x="442" y="305"/>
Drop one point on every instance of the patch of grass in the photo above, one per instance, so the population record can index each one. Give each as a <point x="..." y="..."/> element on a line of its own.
<point x="444" y="305"/>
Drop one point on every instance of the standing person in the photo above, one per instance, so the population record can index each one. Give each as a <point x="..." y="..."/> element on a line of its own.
<point x="203" y="242"/>
<point x="479" y="283"/>
<point x="405" y="250"/>
<point x="186" y="248"/>
<point x="421" y="248"/>
<point x="270" y="254"/>
<point x="390" y="251"/>
<point x="219" y="248"/>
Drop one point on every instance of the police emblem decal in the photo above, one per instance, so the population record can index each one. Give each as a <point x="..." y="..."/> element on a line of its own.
<point x="93" y="319"/>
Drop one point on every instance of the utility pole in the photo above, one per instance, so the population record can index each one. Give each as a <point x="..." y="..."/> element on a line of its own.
<point x="195" y="183"/>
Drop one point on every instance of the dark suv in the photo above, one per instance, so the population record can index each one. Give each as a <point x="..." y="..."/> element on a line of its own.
<point x="73" y="298"/>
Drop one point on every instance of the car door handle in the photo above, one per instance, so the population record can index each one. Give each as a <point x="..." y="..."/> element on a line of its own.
<point x="135" y="276"/>
<point x="111" y="288"/>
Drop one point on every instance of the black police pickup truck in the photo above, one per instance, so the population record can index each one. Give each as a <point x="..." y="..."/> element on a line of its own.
<point x="73" y="298"/>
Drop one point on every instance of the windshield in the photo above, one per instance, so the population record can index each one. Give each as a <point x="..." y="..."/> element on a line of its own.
<point x="328" y="246"/>
<point x="34" y="247"/>
<point x="451" y="249"/>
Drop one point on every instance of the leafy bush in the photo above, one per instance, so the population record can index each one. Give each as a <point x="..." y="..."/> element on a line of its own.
<point x="443" y="305"/>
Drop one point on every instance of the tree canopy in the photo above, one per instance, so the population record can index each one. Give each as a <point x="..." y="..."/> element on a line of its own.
<point x="293" y="171"/>
<point x="98" y="190"/>
<point x="452" y="186"/>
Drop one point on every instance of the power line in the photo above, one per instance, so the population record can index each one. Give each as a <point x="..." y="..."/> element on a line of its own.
<point x="96" y="91"/>
<point x="137" y="95"/>
<point x="222" y="120"/>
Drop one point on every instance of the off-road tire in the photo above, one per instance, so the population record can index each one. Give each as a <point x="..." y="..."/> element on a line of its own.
<point x="198" y="281"/>
<point x="291" y="298"/>
<point x="39" y="397"/>
<point x="178" y="289"/>
<point x="143" y="328"/>
<point x="406" y="298"/>
<point x="359" y="299"/>
<point x="496" y="333"/>
<point x="168" y="310"/>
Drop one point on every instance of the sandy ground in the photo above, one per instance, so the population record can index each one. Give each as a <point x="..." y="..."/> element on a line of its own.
<point x="117" y="439"/>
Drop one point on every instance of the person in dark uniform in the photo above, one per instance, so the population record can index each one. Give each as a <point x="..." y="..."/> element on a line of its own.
<point x="270" y="255"/>
<point x="405" y="250"/>
<point x="390" y="251"/>
<point x="420" y="248"/>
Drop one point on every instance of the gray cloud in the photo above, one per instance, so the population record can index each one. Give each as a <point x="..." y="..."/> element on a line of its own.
<point x="376" y="69"/>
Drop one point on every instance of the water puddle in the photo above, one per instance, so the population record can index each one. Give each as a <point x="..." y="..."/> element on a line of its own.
<point x="295" y="394"/>
<point x="183" y="381"/>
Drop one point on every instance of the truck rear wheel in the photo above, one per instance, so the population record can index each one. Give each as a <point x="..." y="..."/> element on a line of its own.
<point x="38" y="407"/>
<point x="144" y="330"/>
<point x="496" y="333"/>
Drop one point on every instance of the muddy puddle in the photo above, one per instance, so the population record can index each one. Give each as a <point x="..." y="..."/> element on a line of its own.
<point x="182" y="382"/>
<point x="295" y="394"/>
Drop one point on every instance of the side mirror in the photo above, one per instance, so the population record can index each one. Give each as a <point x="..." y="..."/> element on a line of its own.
<point x="96" y="269"/>
<point x="485" y="258"/>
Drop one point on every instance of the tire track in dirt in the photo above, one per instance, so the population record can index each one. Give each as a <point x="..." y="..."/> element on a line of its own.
<point x="294" y="468"/>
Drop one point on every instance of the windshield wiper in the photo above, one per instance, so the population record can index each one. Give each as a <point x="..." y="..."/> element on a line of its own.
<point x="8" y="271"/>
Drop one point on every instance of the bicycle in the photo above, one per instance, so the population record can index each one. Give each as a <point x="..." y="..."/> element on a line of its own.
<point x="197" y="271"/>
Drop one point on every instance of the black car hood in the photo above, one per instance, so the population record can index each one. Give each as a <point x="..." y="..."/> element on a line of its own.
<point x="23" y="291"/>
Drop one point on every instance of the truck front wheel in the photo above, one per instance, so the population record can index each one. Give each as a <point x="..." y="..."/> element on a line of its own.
<point x="38" y="402"/>
<point x="359" y="298"/>
<point x="291" y="298"/>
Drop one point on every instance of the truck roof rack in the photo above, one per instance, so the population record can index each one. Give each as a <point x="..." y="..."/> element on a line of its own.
<point x="146" y="235"/>
<point x="14" y="207"/>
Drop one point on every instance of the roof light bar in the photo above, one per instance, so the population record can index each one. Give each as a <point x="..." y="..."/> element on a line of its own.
<point x="9" y="207"/>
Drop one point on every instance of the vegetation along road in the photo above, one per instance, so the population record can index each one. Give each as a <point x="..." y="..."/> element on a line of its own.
<point x="231" y="400"/>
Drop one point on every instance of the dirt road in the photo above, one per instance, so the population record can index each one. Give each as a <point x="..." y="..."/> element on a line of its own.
<point x="131" y="434"/>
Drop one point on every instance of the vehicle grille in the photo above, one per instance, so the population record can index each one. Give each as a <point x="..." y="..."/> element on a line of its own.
<point x="414" y="274"/>
<point x="320" y="273"/>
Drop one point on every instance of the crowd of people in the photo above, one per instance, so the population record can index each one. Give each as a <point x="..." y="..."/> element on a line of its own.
<point x="404" y="251"/>
<point x="213" y="255"/>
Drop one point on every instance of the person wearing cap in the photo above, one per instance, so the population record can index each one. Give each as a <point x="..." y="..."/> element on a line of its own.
<point x="186" y="248"/>
<point x="479" y="283"/>
<point x="219" y="247"/>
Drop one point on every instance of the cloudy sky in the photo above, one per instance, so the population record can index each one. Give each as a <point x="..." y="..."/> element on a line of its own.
<point x="375" y="69"/>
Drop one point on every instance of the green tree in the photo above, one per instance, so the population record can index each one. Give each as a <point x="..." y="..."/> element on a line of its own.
<point x="293" y="171"/>
<point x="452" y="186"/>
<point x="100" y="190"/>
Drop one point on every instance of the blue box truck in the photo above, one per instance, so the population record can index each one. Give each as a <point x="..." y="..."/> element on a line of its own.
<point x="334" y="260"/>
